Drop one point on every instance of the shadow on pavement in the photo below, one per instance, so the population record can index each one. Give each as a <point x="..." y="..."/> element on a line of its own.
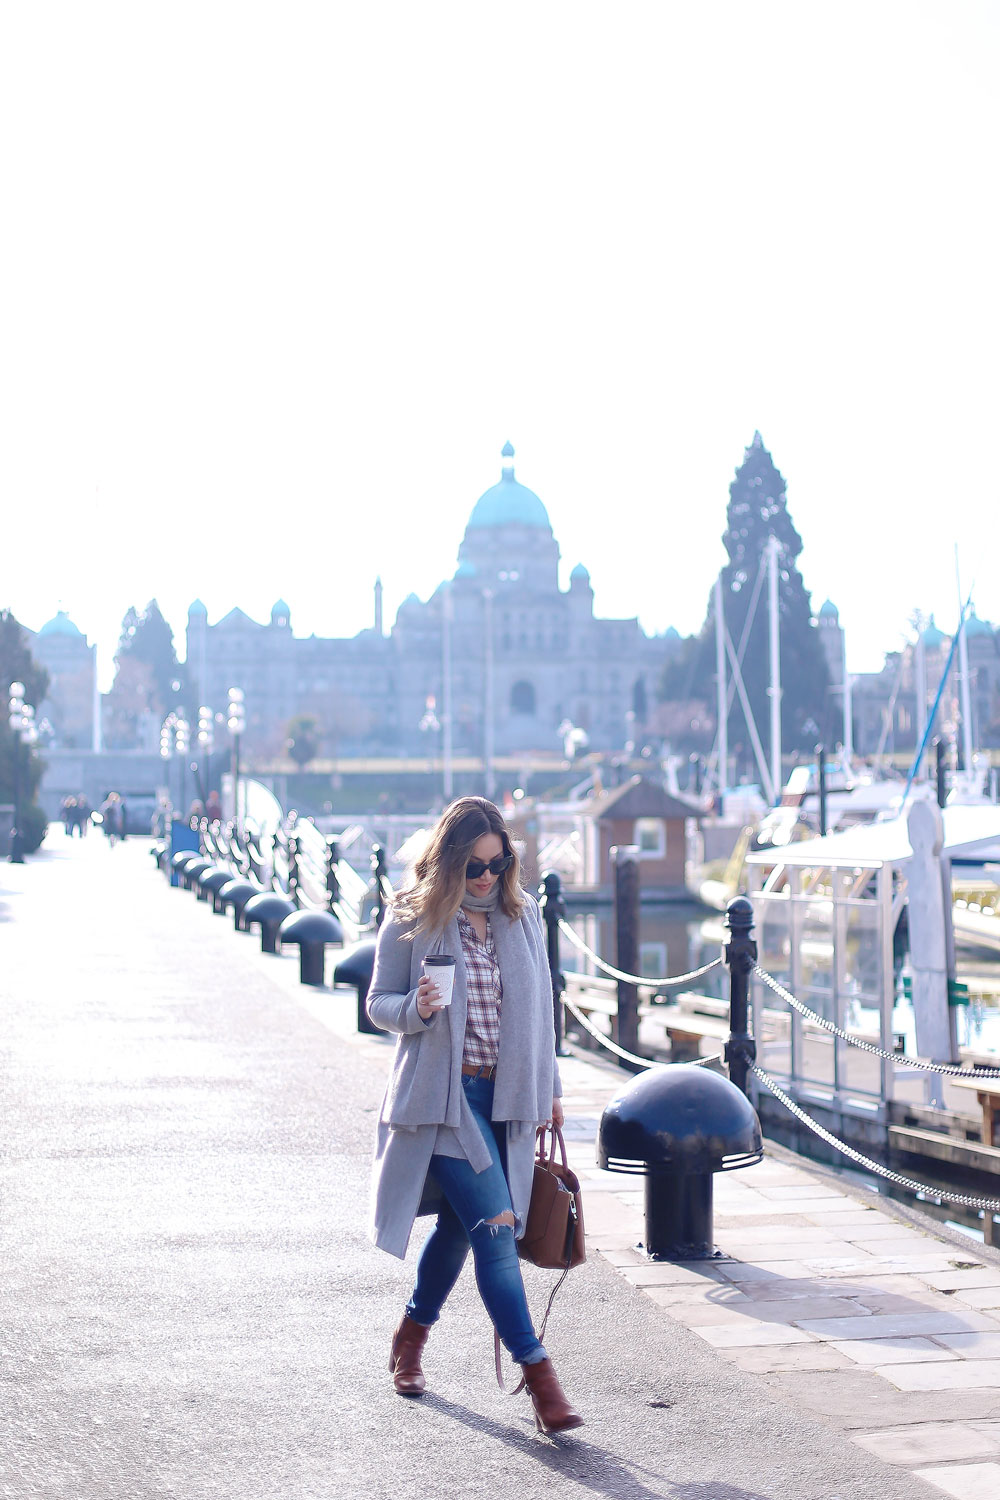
<point x="773" y="1295"/>
<point x="714" y="1491"/>
<point x="588" y="1465"/>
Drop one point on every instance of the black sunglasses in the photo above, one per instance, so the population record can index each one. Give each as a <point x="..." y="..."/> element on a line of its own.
<point x="476" y="868"/>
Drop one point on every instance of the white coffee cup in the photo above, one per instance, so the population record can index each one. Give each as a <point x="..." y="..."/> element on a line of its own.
<point x="440" y="970"/>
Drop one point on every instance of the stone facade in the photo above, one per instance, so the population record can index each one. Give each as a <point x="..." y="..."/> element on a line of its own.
<point x="553" y="663"/>
<point x="71" y="663"/>
<point x="887" y="712"/>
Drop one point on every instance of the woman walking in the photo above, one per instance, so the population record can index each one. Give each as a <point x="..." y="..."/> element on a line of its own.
<point x="471" y="1082"/>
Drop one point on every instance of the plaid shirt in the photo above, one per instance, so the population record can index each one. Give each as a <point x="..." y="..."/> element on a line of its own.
<point x="485" y="993"/>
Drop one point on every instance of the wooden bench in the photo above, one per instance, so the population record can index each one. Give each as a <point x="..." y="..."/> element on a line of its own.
<point x="988" y="1094"/>
<point x="685" y="1026"/>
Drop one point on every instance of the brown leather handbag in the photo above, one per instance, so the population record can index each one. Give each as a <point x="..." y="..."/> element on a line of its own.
<point x="553" y="1235"/>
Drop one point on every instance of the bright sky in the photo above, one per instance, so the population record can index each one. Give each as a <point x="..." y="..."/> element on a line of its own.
<point x="280" y="279"/>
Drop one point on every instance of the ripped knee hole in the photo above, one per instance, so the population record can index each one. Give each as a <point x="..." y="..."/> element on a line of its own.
<point x="502" y="1220"/>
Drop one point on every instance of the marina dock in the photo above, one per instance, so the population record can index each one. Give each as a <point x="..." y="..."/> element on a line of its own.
<point x="192" y="1308"/>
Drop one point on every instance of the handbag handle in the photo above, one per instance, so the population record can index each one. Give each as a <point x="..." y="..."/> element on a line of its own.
<point x="557" y="1136"/>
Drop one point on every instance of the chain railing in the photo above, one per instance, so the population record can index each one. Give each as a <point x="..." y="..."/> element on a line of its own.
<point x="671" y="981"/>
<point x="989" y="1205"/>
<point x="948" y="1069"/>
<point x="622" y="1052"/>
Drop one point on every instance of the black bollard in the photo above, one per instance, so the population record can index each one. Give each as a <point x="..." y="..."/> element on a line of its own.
<point x="741" y="955"/>
<point x="332" y="878"/>
<point x="553" y="909"/>
<point x="625" y="864"/>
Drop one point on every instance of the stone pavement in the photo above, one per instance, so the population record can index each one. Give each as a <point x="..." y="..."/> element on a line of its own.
<point x="190" y="1308"/>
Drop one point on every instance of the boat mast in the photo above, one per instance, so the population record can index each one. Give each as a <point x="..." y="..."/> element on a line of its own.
<point x="963" y="678"/>
<point x="921" y="666"/>
<point x="774" y="691"/>
<point x="848" y="709"/>
<point x="722" y="709"/>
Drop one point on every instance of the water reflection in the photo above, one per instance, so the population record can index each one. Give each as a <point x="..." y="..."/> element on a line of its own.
<point x="675" y="939"/>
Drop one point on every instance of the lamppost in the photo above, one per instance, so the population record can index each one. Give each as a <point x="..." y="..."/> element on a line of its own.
<point x="206" y="740"/>
<point x="21" y="718"/>
<point x="182" y="733"/>
<point x="167" y="732"/>
<point x="430" y="723"/>
<point x="237" y="723"/>
<point x="175" y="738"/>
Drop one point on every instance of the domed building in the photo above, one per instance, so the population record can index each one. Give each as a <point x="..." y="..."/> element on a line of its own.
<point x="71" y="662"/>
<point x="526" y="656"/>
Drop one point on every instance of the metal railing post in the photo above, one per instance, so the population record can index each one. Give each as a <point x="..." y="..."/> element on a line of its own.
<point x="625" y="865"/>
<point x="821" y="778"/>
<point x="332" y="878"/>
<point x="379" y="873"/>
<point x="553" y="909"/>
<point x="741" y="955"/>
<point x="293" y="868"/>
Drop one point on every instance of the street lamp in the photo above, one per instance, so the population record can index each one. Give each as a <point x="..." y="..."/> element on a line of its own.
<point x="236" y="723"/>
<point x="206" y="742"/>
<point x="21" y="718"/>
<point x="430" y="723"/>
<point x="175" y="739"/>
<point x="182" y="740"/>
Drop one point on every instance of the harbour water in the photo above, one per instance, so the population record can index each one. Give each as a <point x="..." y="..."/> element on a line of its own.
<point x="675" y="939"/>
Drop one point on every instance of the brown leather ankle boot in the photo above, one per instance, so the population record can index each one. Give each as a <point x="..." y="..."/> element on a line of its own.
<point x="553" y="1412"/>
<point x="404" y="1359"/>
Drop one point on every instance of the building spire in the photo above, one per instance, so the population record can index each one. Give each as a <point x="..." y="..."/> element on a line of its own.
<point x="378" y="606"/>
<point x="507" y="454"/>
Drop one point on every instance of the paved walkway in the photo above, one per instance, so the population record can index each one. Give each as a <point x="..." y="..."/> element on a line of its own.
<point x="190" y="1307"/>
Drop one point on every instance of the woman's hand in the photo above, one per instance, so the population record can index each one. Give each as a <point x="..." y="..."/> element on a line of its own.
<point x="558" y="1117"/>
<point x="427" y="994"/>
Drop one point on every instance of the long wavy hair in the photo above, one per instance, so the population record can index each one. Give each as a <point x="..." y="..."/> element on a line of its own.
<point x="433" y="892"/>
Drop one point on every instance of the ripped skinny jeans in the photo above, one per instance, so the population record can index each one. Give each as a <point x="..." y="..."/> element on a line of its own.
<point x="472" y="1199"/>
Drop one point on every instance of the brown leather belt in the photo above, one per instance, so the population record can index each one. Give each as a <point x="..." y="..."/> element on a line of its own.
<point x="488" y="1070"/>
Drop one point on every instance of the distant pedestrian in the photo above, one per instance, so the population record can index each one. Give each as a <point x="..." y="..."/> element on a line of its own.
<point x="213" y="808"/>
<point x="68" y="813"/>
<point x="82" y="815"/>
<point x="161" y="819"/>
<point x="111" y="818"/>
<point x="471" y="1082"/>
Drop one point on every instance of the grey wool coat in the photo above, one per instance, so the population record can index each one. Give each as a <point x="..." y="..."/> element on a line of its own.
<point x="425" y="1093"/>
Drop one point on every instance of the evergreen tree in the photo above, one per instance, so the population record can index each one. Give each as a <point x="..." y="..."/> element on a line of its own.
<point x="147" y="639"/>
<point x="302" y="740"/>
<point x="756" y="512"/>
<point x="18" y="665"/>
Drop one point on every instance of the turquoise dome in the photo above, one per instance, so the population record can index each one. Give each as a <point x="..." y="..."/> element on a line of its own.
<point x="61" y="624"/>
<point x="975" y="626"/>
<point x="509" y="503"/>
<point x="580" y="573"/>
<point x="933" y="638"/>
<point x="829" y="611"/>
